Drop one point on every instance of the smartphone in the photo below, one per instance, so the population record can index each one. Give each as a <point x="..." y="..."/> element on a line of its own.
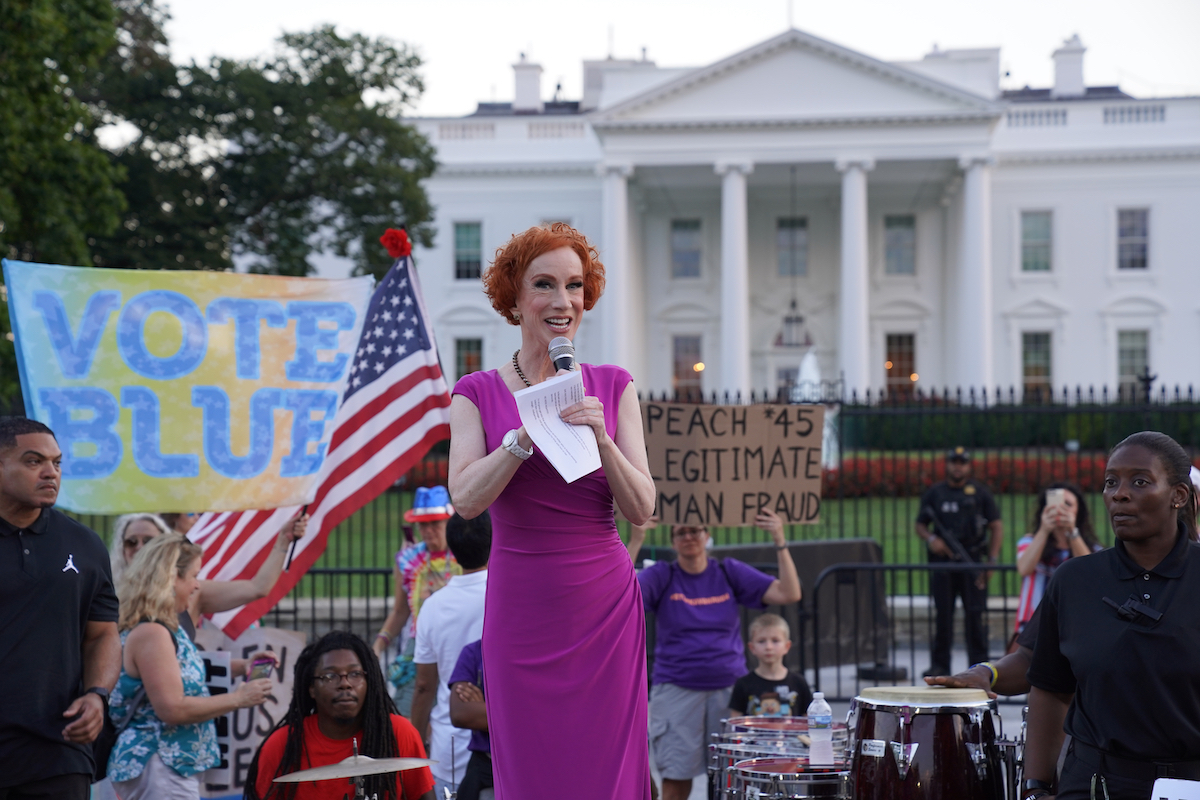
<point x="1056" y="497"/>
<point x="261" y="668"/>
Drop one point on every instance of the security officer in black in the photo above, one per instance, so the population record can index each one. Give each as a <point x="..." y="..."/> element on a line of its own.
<point x="959" y="522"/>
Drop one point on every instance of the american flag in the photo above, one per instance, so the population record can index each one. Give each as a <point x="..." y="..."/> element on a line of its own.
<point x="396" y="407"/>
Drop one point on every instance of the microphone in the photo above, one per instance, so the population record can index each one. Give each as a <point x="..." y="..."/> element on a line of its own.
<point x="562" y="353"/>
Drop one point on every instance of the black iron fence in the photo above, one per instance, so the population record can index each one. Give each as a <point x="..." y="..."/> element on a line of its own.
<point x="882" y="452"/>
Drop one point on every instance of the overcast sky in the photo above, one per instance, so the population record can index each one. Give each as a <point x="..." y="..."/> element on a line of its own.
<point x="468" y="46"/>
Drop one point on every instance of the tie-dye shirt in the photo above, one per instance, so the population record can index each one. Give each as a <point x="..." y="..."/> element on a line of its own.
<point x="423" y="573"/>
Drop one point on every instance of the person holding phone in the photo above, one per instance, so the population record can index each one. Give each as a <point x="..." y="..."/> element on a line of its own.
<point x="1062" y="530"/>
<point x="161" y="698"/>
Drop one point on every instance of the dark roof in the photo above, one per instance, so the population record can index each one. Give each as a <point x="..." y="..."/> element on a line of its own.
<point x="555" y="108"/>
<point x="1028" y="95"/>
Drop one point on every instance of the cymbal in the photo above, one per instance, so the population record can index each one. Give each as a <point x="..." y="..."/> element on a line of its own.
<point x="355" y="766"/>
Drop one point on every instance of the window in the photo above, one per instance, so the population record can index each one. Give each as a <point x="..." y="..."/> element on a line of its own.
<point x="1036" y="227"/>
<point x="901" y="364"/>
<point x="1036" y="366"/>
<point x="791" y="244"/>
<point x="685" y="248"/>
<point x="1133" y="226"/>
<point x="468" y="356"/>
<point x="1133" y="361"/>
<point x="688" y="368"/>
<point x="900" y="244"/>
<point x="468" y="248"/>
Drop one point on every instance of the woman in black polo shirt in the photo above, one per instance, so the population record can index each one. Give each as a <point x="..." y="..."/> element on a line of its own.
<point x="1120" y="639"/>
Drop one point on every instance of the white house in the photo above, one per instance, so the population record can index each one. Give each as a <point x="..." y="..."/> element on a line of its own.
<point x="909" y="223"/>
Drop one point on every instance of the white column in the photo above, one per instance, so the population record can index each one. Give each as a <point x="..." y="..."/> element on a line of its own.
<point x="974" y="301"/>
<point x="616" y="303"/>
<point x="735" y="279"/>
<point x="853" y="312"/>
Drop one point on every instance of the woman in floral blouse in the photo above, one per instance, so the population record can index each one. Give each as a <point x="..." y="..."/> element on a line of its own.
<point x="171" y="737"/>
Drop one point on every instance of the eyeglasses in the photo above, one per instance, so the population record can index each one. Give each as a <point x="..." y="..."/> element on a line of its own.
<point x="138" y="541"/>
<point x="355" y="677"/>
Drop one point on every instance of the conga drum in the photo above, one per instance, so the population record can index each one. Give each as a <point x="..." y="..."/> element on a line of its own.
<point x="924" y="743"/>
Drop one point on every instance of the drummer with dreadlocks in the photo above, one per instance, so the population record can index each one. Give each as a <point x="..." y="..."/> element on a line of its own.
<point x="339" y="701"/>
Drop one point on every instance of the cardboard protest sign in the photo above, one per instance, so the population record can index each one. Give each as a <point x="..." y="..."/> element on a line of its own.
<point x="239" y="734"/>
<point x="717" y="465"/>
<point x="177" y="391"/>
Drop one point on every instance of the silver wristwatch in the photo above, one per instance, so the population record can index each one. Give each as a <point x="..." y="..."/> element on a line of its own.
<point x="510" y="444"/>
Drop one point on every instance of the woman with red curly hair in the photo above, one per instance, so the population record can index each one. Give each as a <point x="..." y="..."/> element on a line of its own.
<point x="564" y="637"/>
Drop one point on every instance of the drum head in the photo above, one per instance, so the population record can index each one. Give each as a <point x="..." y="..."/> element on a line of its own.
<point x="922" y="696"/>
<point x="787" y="765"/>
<point x="786" y="724"/>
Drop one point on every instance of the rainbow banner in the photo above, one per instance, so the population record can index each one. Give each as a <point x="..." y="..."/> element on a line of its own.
<point x="184" y="391"/>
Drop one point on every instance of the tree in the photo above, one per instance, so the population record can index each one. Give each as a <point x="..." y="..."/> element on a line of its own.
<point x="268" y="158"/>
<point x="56" y="184"/>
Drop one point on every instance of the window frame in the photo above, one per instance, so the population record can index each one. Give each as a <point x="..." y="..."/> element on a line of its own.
<point x="454" y="256"/>
<point x="696" y="382"/>
<point x="671" y="249"/>
<point x="458" y="355"/>
<point x="1048" y="383"/>
<point x="887" y="272"/>
<point x="803" y="250"/>
<point x="1022" y="243"/>
<point x="1145" y="269"/>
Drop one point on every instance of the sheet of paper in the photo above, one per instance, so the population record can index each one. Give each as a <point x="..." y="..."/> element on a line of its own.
<point x="570" y="448"/>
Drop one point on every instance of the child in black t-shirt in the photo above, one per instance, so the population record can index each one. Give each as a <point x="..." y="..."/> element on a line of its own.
<point x="771" y="690"/>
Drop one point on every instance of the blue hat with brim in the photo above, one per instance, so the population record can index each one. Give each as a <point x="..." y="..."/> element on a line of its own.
<point x="431" y="504"/>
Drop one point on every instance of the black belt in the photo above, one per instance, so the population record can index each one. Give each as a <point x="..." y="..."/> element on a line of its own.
<point x="1117" y="767"/>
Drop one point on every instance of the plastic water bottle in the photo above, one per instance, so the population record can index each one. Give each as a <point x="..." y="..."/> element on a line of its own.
<point x="820" y="731"/>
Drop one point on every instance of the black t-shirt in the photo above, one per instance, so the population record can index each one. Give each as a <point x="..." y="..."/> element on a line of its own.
<point x="1029" y="634"/>
<point x="962" y="512"/>
<point x="755" y="696"/>
<point x="1136" y="685"/>
<point x="54" y="577"/>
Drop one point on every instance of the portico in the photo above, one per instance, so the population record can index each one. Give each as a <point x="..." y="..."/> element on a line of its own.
<point x="851" y="126"/>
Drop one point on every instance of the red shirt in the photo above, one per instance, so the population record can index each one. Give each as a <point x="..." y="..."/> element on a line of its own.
<point x="320" y="751"/>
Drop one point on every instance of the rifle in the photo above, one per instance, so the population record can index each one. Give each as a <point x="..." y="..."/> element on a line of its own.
<point x="960" y="553"/>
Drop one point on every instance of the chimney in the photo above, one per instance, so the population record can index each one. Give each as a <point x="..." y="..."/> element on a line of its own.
<point x="528" y="98"/>
<point x="1068" y="69"/>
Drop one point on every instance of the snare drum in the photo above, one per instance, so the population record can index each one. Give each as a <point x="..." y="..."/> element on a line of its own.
<point x="722" y="756"/>
<point x="783" y="778"/>
<point x="924" y="743"/>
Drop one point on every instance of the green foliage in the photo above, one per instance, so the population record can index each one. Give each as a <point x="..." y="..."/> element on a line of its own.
<point x="271" y="158"/>
<point x="56" y="185"/>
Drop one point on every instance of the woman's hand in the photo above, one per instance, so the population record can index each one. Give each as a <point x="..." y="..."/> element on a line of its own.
<point x="259" y="654"/>
<point x="590" y="412"/>
<point x="970" y="679"/>
<point x="771" y="522"/>
<point x="293" y="529"/>
<point x="253" y="693"/>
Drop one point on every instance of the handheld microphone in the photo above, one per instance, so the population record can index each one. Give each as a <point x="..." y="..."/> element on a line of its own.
<point x="562" y="353"/>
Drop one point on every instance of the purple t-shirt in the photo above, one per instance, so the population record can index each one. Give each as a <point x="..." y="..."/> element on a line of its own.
<point x="699" y="639"/>
<point x="470" y="669"/>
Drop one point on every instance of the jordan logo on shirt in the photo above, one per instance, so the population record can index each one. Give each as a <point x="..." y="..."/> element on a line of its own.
<point x="71" y="563"/>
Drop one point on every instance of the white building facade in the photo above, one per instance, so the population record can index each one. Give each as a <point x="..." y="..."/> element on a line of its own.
<point x="908" y="224"/>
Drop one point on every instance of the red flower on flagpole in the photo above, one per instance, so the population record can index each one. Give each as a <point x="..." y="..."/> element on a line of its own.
<point x="396" y="242"/>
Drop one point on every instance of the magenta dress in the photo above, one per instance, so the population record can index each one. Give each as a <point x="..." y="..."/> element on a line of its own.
<point x="564" y="636"/>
